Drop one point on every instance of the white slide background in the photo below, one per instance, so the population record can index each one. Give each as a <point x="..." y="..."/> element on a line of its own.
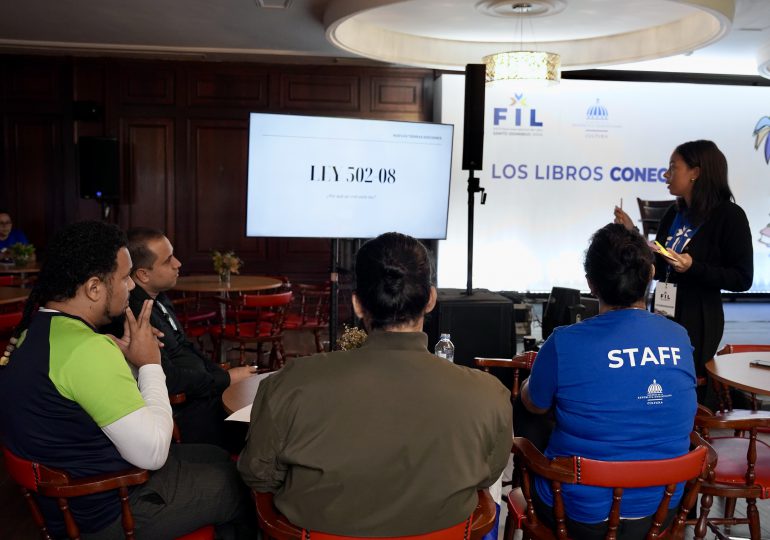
<point x="535" y="226"/>
<point x="346" y="178"/>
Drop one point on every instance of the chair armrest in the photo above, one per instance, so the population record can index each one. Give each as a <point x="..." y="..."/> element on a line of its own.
<point x="272" y="523"/>
<point x="562" y="468"/>
<point x="484" y="515"/>
<point x="93" y="484"/>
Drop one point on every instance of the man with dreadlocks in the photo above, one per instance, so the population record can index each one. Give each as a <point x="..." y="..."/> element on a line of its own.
<point x="69" y="399"/>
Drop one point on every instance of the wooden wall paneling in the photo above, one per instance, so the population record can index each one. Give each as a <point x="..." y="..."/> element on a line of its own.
<point x="147" y="84"/>
<point x="35" y="80"/>
<point x="229" y="87"/>
<point x="217" y="157"/>
<point x="148" y="173"/>
<point x="35" y="158"/>
<point x="321" y="93"/>
<point x="303" y="255"/>
<point x="397" y="95"/>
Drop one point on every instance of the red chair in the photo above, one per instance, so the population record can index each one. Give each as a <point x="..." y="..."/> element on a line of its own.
<point x="311" y="311"/>
<point x="258" y="319"/>
<point x="743" y="470"/>
<point x="36" y="478"/>
<point x="692" y="468"/>
<point x="277" y="527"/>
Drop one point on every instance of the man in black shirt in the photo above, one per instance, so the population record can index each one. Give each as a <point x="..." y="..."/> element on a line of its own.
<point x="155" y="270"/>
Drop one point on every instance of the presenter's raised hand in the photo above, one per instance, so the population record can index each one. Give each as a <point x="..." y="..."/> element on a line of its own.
<point x="623" y="218"/>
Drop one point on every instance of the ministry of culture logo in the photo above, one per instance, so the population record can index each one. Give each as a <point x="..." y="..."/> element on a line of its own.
<point x="597" y="111"/>
<point x="654" y="395"/>
<point x="760" y="134"/>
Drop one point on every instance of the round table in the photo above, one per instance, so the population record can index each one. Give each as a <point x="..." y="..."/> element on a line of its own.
<point x="211" y="283"/>
<point x="22" y="271"/>
<point x="9" y="295"/>
<point x="735" y="370"/>
<point x="239" y="395"/>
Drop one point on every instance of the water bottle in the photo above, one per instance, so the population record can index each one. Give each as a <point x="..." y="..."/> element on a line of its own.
<point x="445" y="348"/>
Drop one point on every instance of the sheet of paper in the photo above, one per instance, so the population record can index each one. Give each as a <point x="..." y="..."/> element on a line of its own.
<point x="241" y="415"/>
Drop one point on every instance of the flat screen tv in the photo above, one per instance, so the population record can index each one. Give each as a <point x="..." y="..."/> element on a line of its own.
<point x="322" y="177"/>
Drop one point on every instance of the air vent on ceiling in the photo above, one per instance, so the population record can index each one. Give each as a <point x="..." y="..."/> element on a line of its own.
<point x="276" y="4"/>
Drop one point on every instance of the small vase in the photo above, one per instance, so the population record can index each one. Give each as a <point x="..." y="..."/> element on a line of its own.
<point x="21" y="262"/>
<point x="224" y="277"/>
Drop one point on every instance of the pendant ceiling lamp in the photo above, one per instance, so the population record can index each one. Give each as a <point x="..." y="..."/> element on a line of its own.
<point x="532" y="67"/>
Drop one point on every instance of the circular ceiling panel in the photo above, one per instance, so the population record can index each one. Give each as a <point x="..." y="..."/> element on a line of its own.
<point x="448" y="34"/>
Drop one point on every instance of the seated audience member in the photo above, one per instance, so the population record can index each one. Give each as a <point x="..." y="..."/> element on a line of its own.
<point x="621" y="386"/>
<point x="8" y="235"/>
<point x="387" y="439"/>
<point x="71" y="402"/>
<point x="201" y="417"/>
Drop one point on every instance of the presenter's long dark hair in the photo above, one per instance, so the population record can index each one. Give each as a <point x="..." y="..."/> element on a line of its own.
<point x="711" y="187"/>
<point x="618" y="264"/>
<point x="393" y="279"/>
<point x="78" y="252"/>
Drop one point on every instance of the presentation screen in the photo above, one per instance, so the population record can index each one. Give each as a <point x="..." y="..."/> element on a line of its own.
<point x="312" y="176"/>
<point x="558" y="160"/>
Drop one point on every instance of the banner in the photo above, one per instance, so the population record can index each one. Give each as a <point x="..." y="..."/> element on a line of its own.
<point x="558" y="160"/>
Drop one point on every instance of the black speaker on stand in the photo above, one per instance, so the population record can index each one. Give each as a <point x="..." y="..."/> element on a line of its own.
<point x="473" y="148"/>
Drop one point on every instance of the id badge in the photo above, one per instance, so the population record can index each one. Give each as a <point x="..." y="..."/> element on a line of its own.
<point x="665" y="298"/>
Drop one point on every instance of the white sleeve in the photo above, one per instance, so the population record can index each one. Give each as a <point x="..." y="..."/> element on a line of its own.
<point x="143" y="437"/>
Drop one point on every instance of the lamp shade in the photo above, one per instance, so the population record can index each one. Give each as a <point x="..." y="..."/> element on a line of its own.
<point x="534" y="66"/>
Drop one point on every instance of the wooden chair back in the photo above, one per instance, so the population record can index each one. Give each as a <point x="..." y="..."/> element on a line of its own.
<point x="310" y="310"/>
<point x="743" y="470"/>
<point x="692" y="468"/>
<point x="520" y="364"/>
<point x="277" y="527"/>
<point x="34" y="477"/>
<point x="255" y="319"/>
<point x="651" y="213"/>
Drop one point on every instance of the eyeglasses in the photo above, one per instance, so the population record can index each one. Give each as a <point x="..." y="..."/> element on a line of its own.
<point x="6" y="222"/>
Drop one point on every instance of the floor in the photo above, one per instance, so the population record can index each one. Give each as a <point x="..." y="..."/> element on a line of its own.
<point x="746" y="322"/>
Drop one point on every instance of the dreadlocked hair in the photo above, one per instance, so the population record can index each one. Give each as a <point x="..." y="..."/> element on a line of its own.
<point x="77" y="253"/>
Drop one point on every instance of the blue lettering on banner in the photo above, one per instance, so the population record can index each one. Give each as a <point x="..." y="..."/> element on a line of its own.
<point x="637" y="174"/>
<point x="620" y="357"/>
<point x="500" y="115"/>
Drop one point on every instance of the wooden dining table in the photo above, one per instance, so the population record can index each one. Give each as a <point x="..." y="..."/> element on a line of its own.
<point x="735" y="370"/>
<point x="21" y="271"/>
<point x="10" y="295"/>
<point x="211" y="283"/>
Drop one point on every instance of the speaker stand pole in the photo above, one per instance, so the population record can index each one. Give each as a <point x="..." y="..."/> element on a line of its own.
<point x="473" y="188"/>
<point x="334" y="302"/>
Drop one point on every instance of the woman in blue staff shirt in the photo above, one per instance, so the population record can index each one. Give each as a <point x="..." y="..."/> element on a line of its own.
<point x="709" y="247"/>
<point x="621" y="386"/>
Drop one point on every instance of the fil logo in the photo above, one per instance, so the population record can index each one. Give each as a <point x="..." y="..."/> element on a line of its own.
<point x="517" y="113"/>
